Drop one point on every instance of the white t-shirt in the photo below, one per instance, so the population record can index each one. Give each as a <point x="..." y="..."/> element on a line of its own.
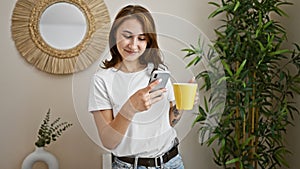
<point x="149" y="133"/>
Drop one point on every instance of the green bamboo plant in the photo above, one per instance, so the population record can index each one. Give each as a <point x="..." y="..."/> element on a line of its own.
<point x="261" y="77"/>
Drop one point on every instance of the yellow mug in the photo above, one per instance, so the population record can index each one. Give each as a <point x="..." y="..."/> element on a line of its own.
<point x="185" y="95"/>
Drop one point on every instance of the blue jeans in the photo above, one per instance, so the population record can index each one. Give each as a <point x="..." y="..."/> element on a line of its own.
<point x="174" y="163"/>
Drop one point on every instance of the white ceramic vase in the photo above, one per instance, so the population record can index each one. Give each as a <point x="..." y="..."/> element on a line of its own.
<point x="40" y="154"/>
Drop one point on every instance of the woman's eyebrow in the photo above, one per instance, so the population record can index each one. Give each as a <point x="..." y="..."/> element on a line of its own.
<point x="129" y="32"/>
<point x="126" y="31"/>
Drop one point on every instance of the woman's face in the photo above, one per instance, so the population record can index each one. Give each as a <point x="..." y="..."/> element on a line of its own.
<point x="131" y="40"/>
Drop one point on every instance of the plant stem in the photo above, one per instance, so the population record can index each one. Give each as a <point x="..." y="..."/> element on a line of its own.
<point x="237" y="123"/>
<point x="253" y="117"/>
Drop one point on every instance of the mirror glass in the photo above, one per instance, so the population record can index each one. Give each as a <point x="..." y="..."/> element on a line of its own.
<point x="63" y="26"/>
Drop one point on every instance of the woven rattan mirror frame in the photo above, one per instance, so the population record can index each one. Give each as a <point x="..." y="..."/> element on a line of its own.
<point x="30" y="44"/>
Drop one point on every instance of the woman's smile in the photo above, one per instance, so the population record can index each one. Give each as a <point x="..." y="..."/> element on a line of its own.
<point x="131" y="52"/>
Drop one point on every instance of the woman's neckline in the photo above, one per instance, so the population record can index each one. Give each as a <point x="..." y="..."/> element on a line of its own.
<point x="122" y="68"/>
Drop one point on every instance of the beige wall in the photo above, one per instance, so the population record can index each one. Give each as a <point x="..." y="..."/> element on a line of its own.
<point x="26" y="95"/>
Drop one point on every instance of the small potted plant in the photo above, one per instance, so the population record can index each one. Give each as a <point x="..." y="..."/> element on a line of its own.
<point x="47" y="133"/>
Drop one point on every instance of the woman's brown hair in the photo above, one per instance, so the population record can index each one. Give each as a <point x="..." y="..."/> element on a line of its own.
<point x="152" y="52"/>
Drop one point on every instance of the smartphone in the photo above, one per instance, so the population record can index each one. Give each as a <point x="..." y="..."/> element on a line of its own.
<point x="160" y="74"/>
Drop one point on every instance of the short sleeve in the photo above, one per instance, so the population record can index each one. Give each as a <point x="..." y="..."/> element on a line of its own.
<point x="98" y="95"/>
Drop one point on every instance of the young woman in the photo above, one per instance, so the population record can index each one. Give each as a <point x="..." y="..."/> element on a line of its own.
<point x="136" y="125"/>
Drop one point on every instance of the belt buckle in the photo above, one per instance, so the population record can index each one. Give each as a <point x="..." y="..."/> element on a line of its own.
<point x="156" y="161"/>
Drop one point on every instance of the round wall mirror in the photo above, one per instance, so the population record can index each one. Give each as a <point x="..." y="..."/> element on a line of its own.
<point x="63" y="26"/>
<point x="60" y="36"/>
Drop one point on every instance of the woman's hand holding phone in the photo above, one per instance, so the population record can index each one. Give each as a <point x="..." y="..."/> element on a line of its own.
<point x="144" y="98"/>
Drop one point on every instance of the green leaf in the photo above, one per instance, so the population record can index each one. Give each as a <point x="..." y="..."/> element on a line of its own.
<point x="262" y="48"/>
<point x="218" y="11"/>
<point x="268" y="24"/>
<point x="279" y="52"/>
<point x="194" y="61"/>
<point x="247" y="141"/>
<point x="200" y="117"/>
<point x="227" y="68"/>
<point x="214" y="3"/>
<point x="206" y="104"/>
<point x="224" y="78"/>
<point x="211" y="140"/>
<point x="240" y="68"/>
<point x="280" y="12"/>
<point x="232" y="161"/>
<point x="237" y="5"/>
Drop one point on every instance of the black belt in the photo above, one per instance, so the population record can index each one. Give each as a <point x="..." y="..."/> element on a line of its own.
<point x="150" y="162"/>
